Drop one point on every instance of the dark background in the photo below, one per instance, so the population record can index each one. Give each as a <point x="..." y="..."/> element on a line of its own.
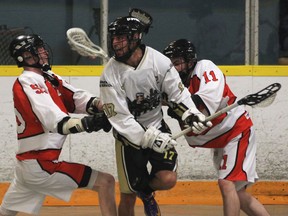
<point x="217" y="28"/>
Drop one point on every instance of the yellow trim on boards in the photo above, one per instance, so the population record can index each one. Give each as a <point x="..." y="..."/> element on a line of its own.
<point x="93" y="70"/>
<point x="63" y="70"/>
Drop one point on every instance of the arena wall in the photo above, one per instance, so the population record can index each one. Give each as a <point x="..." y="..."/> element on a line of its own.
<point x="196" y="170"/>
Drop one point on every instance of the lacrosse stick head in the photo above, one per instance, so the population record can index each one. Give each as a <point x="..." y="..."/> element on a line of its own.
<point x="263" y="98"/>
<point x="80" y="42"/>
<point x="143" y="16"/>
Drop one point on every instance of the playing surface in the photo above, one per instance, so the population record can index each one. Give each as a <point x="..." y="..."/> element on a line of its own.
<point x="167" y="210"/>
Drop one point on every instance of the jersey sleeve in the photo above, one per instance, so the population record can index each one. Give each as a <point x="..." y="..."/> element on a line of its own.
<point x="211" y="86"/>
<point x="116" y="109"/>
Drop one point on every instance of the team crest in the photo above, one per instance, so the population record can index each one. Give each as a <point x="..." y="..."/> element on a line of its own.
<point x="181" y="86"/>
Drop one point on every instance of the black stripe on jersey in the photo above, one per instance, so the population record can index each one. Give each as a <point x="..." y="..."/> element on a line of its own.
<point x="61" y="123"/>
<point x="86" y="177"/>
<point x="199" y="103"/>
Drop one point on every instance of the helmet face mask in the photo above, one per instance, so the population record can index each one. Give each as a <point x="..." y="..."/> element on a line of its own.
<point x="183" y="56"/>
<point x="24" y="49"/>
<point x="129" y="30"/>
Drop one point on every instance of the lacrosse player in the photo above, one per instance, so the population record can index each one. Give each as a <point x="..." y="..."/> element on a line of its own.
<point x="42" y="101"/>
<point x="131" y="88"/>
<point x="232" y="135"/>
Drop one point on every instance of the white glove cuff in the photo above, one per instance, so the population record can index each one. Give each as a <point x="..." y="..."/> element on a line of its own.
<point x="149" y="137"/>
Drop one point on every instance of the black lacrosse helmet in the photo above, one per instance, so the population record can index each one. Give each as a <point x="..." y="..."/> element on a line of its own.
<point x="185" y="49"/>
<point x="181" y="48"/>
<point x="25" y="43"/>
<point x="129" y="26"/>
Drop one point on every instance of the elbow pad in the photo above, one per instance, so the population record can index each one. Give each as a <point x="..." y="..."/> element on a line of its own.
<point x="70" y="125"/>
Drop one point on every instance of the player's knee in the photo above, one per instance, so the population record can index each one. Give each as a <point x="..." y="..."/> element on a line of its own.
<point x="226" y="186"/>
<point x="108" y="180"/>
<point x="6" y="212"/>
<point x="169" y="180"/>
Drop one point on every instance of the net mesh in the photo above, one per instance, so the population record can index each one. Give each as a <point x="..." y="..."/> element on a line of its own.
<point x="266" y="102"/>
<point x="80" y="42"/>
<point x="6" y="36"/>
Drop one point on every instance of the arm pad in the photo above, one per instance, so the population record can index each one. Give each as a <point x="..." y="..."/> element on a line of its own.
<point x="70" y="125"/>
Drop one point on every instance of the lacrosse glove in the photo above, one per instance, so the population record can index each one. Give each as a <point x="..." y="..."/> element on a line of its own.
<point x="196" y="120"/>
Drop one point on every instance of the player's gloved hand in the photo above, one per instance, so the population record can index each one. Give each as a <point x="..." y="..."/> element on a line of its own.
<point x="93" y="105"/>
<point x="158" y="141"/>
<point x="96" y="122"/>
<point x="196" y="120"/>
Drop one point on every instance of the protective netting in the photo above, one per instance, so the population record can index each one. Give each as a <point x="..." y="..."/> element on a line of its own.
<point x="6" y="36"/>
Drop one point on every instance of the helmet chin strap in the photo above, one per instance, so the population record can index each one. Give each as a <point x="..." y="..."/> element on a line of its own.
<point x="186" y="75"/>
<point x="126" y="56"/>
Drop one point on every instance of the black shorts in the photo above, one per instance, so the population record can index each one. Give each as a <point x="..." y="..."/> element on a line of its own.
<point x="133" y="172"/>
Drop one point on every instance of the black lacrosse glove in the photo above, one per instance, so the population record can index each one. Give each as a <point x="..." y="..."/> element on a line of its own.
<point x="173" y="114"/>
<point x="96" y="122"/>
<point x="105" y="123"/>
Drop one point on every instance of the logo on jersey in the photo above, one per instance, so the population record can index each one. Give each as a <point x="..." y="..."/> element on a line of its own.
<point x="143" y="104"/>
<point x="104" y="84"/>
<point x="38" y="89"/>
<point x="181" y="86"/>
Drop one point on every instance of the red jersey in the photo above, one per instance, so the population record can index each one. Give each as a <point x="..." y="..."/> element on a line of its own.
<point x="39" y="106"/>
<point x="209" y="83"/>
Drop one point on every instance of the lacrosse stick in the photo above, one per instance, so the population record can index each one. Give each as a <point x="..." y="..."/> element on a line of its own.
<point x="263" y="98"/>
<point x="80" y="42"/>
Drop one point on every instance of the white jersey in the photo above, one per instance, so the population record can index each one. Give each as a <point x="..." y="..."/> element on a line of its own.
<point x="132" y="96"/>
<point x="209" y="83"/>
<point x="39" y="106"/>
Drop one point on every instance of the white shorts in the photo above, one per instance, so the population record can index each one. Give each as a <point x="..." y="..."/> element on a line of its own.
<point x="237" y="160"/>
<point x="32" y="183"/>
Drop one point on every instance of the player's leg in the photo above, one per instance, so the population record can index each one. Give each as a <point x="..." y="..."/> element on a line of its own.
<point x="60" y="179"/>
<point x="20" y="197"/>
<point x="228" y="161"/>
<point x="127" y="203"/>
<point x="133" y="175"/>
<point x="231" y="203"/>
<point x="238" y="165"/>
<point x="163" y="176"/>
<point x="163" y="173"/>
<point x="250" y="205"/>
<point x="104" y="184"/>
